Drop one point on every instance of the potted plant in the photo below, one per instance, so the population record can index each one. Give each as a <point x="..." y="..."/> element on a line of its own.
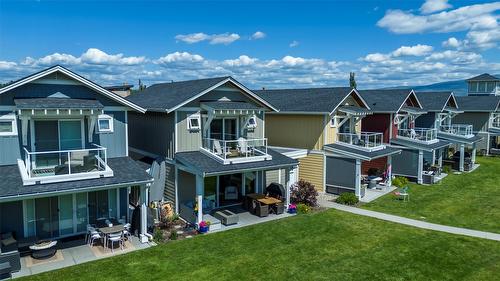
<point x="203" y="226"/>
<point x="292" y="209"/>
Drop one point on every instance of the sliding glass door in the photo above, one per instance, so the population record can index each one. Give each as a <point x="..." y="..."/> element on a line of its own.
<point x="47" y="217"/>
<point x="66" y="214"/>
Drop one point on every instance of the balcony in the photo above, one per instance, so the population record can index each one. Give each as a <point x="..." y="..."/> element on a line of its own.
<point x="457" y="129"/>
<point x="64" y="165"/>
<point x="365" y="140"/>
<point x="425" y="135"/>
<point x="236" y="151"/>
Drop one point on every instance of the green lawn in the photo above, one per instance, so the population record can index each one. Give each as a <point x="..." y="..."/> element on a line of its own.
<point x="470" y="200"/>
<point x="329" y="245"/>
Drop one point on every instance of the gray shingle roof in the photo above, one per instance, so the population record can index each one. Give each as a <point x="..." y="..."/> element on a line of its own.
<point x="360" y="153"/>
<point x="433" y="101"/>
<point x="389" y="100"/>
<point x="125" y="171"/>
<point x="55" y="103"/>
<point x="318" y="100"/>
<point x="231" y="105"/>
<point x="209" y="166"/>
<point x="484" y="77"/>
<point x="459" y="139"/>
<point x="479" y="103"/>
<point x="163" y="96"/>
<point x="420" y="145"/>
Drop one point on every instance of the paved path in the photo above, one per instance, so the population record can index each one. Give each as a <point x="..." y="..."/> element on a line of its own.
<point x="412" y="222"/>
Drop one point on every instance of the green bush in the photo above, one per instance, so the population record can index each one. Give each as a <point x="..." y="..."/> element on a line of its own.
<point x="447" y="169"/>
<point x="400" y="182"/>
<point x="158" y="235"/>
<point x="173" y="235"/>
<point x="303" y="208"/>
<point x="347" y="198"/>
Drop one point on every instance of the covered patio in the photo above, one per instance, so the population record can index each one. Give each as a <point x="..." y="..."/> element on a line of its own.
<point x="231" y="194"/>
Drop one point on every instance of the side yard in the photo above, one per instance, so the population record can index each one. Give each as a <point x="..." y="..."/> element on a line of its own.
<point x="466" y="200"/>
<point x="328" y="245"/>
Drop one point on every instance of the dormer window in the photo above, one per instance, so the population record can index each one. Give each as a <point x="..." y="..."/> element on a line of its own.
<point x="193" y="122"/>
<point x="105" y="123"/>
<point x="252" y="122"/>
<point x="8" y="125"/>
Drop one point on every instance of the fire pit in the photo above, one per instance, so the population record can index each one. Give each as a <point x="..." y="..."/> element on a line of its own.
<point x="43" y="250"/>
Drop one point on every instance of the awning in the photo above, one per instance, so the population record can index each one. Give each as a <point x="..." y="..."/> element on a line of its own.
<point x="459" y="139"/>
<point x="452" y="109"/>
<point x="355" y="110"/>
<point x="421" y="145"/>
<point x="203" y="164"/>
<point x="57" y="103"/>
<point x="365" y="155"/>
<point x="230" y="105"/>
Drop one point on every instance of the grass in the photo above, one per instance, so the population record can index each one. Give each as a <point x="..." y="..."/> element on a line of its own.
<point x="469" y="200"/>
<point x="329" y="245"/>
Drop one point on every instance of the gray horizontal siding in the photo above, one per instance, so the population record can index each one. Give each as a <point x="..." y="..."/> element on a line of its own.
<point x="115" y="142"/>
<point x="187" y="140"/>
<point x="479" y="120"/>
<point x="152" y="132"/>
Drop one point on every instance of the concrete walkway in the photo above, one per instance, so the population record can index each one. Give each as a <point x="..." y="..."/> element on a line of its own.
<point x="411" y="222"/>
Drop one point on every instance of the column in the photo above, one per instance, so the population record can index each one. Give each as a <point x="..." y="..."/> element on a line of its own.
<point x="462" y="152"/>
<point x="288" y="183"/>
<point x="473" y="156"/>
<point x="440" y="158"/>
<point x="357" y="180"/>
<point x="420" y="166"/>
<point x="199" y="198"/>
<point x="144" y="216"/>
<point x="389" y="171"/>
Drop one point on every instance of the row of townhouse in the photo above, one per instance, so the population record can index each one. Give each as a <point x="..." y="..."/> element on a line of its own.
<point x="70" y="149"/>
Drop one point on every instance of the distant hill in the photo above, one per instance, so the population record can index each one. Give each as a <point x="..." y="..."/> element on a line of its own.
<point x="459" y="87"/>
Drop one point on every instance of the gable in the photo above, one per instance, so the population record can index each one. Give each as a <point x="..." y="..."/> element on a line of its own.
<point x="225" y="93"/>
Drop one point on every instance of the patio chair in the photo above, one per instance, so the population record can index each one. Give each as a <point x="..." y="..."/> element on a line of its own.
<point x="90" y="230"/>
<point x="95" y="236"/>
<point x="403" y="194"/>
<point x="116" y="238"/>
<point x="260" y="210"/>
<point x="243" y="147"/>
<point x="231" y="193"/>
<point x="219" y="151"/>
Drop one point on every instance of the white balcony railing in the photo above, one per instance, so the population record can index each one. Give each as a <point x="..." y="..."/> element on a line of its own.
<point x="237" y="151"/>
<point x="419" y="134"/>
<point x="63" y="165"/>
<point x="495" y="123"/>
<point x="365" y="140"/>
<point x="457" y="129"/>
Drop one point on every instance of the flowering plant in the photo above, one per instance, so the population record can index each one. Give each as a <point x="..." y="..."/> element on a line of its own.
<point x="204" y="224"/>
<point x="292" y="206"/>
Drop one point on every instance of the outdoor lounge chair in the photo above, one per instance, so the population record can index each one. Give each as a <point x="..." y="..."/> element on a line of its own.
<point x="260" y="210"/>
<point x="230" y="193"/>
<point x="403" y="194"/>
<point x="243" y="147"/>
<point x="219" y="151"/>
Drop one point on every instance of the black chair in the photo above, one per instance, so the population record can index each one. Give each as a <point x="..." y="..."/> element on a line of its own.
<point x="260" y="210"/>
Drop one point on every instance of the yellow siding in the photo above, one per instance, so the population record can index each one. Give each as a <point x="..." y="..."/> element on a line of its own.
<point x="311" y="170"/>
<point x="297" y="131"/>
<point x="331" y="133"/>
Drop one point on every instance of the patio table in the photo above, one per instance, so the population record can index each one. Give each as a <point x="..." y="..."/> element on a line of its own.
<point x="269" y="200"/>
<point x="110" y="230"/>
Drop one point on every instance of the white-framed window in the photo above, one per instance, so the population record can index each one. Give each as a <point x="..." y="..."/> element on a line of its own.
<point x="105" y="123"/>
<point x="334" y="122"/>
<point x="8" y="125"/>
<point x="252" y="122"/>
<point x="194" y="122"/>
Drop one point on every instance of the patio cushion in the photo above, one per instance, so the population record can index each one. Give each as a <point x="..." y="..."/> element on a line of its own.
<point x="9" y="241"/>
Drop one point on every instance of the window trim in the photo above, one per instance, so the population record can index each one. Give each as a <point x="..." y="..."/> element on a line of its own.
<point x="12" y="118"/>
<point x="108" y="118"/>
<point x="197" y="117"/>
<point x="334" y="121"/>
<point x="250" y="126"/>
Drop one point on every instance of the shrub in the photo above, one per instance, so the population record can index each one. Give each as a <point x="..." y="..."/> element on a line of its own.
<point x="400" y="182"/>
<point x="305" y="193"/>
<point x="158" y="235"/>
<point x="447" y="169"/>
<point x="303" y="208"/>
<point x="173" y="235"/>
<point x="347" y="198"/>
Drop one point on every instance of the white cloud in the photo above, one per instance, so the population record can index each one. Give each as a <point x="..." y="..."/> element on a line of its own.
<point x="483" y="39"/>
<point x="460" y="19"/>
<point x="258" y="35"/>
<point x="192" y="38"/>
<point x="452" y="42"/>
<point x="96" y="56"/>
<point x="417" y="50"/>
<point x="224" y="38"/>
<point x="294" y="44"/>
<point x="7" y="65"/>
<point x="431" y="6"/>
<point x="179" y="57"/>
<point x="242" y="60"/>
<point x="376" y="57"/>
<point x="456" y="57"/>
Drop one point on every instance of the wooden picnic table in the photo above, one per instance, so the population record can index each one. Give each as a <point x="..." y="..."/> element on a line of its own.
<point x="269" y="200"/>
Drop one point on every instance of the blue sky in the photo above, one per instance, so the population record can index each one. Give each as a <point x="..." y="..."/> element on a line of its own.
<point x="260" y="43"/>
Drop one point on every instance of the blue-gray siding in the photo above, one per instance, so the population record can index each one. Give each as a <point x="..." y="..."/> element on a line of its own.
<point x="426" y="120"/>
<point x="152" y="132"/>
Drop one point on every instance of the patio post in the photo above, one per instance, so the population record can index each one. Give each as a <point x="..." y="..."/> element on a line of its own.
<point x="420" y="166"/>
<point x="287" y="186"/>
<point x="199" y="198"/>
<point x="389" y="171"/>
<point x="144" y="218"/>
<point x="473" y="156"/>
<point x="357" y="183"/>
<point x="440" y="159"/>
<point x="462" y="155"/>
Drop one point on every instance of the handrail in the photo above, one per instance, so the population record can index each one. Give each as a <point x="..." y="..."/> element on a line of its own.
<point x="245" y="147"/>
<point x="422" y="134"/>
<point x="361" y="139"/>
<point x="66" y="151"/>
<point x="459" y="129"/>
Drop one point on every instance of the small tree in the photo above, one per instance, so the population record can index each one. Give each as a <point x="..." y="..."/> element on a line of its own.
<point x="303" y="192"/>
<point x="352" y="80"/>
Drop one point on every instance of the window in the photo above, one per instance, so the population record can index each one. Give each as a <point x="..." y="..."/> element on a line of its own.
<point x="193" y="122"/>
<point x="490" y="87"/>
<point x="252" y="122"/>
<point x="8" y="125"/>
<point x="105" y="123"/>
<point x="473" y="87"/>
<point x="482" y="87"/>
